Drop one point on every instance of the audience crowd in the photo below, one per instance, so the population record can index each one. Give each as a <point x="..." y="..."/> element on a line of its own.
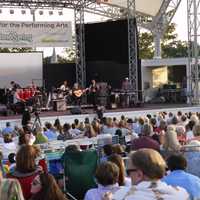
<point x="154" y="157"/>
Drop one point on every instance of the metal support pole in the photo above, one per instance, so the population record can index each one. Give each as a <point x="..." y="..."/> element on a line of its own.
<point x="193" y="50"/>
<point x="132" y="47"/>
<point x="80" y="43"/>
<point x="157" y="43"/>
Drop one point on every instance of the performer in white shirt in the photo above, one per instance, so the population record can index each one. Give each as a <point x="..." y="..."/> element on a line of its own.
<point x="146" y="168"/>
<point x="64" y="87"/>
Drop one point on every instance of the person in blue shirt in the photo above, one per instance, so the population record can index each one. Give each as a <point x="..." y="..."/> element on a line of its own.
<point x="179" y="177"/>
<point x="8" y="129"/>
<point x="50" y="133"/>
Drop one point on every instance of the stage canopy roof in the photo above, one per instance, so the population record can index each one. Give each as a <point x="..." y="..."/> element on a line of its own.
<point x="150" y="14"/>
<point x="147" y="7"/>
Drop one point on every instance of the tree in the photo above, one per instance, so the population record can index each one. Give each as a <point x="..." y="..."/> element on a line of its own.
<point x="16" y="50"/>
<point x="146" y="50"/>
<point x="171" y="46"/>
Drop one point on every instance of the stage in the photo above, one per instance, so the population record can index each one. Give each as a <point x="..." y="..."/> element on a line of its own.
<point x="66" y="116"/>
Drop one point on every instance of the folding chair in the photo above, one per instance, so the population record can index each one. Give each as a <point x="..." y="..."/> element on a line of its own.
<point x="115" y="139"/>
<point x="79" y="170"/>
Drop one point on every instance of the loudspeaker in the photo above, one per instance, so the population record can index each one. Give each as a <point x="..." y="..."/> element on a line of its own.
<point x="76" y="110"/>
<point x="59" y="105"/>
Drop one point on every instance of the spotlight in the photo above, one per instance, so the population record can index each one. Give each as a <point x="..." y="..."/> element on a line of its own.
<point x="50" y="12"/>
<point x="41" y="12"/>
<point x="23" y="12"/>
<point x="12" y="12"/>
<point x="0" y="11"/>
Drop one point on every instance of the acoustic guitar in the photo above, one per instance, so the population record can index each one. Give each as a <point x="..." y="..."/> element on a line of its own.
<point x="78" y="93"/>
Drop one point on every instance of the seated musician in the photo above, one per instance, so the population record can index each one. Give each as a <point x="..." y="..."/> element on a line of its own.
<point x="15" y="86"/>
<point x="64" y="88"/>
<point x="18" y="101"/>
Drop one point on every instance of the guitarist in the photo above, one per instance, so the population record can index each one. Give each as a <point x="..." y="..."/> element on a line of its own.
<point x="77" y="94"/>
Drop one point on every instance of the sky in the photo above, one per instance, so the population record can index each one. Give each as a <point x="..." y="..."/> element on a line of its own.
<point x="180" y="19"/>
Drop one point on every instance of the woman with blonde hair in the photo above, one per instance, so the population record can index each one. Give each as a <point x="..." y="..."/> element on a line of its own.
<point x="171" y="142"/>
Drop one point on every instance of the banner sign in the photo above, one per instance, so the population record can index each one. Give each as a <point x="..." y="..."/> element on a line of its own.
<point x="35" y="34"/>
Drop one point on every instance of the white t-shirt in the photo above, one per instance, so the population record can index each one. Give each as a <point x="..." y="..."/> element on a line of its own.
<point x="147" y="191"/>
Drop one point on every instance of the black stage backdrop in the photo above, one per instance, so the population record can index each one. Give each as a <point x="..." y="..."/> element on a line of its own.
<point x="106" y="49"/>
<point x="55" y="74"/>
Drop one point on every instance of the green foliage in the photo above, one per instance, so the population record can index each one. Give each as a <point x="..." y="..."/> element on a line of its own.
<point x="171" y="46"/>
<point x="146" y="45"/>
<point x="15" y="50"/>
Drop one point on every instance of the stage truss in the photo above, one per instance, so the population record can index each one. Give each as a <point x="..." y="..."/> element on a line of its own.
<point x="156" y="24"/>
<point x="193" y="7"/>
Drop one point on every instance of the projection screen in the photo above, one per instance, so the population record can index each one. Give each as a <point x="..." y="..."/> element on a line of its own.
<point x="22" y="68"/>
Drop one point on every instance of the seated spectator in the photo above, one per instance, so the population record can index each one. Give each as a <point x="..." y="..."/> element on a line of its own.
<point x="8" y="129"/>
<point x="57" y="126"/>
<point x="107" y="175"/>
<point x="89" y="131"/>
<point x="26" y="168"/>
<point x="72" y="148"/>
<point x="26" y="138"/>
<point x="109" y="127"/>
<point x="196" y="131"/>
<point x="146" y="168"/>
<point x="181" y="134"/>
<point x="96" y="127"/>
<point x="194" y="118"/>
<point x="145" y="140"/>
<point x="10" y="189"/>
<point x="44" y="186"/>
<point x="118" y="149"/>
<point x="189" y="130"/>
<point x="123" y="126"/>
<point x="50" y="133"/>
<point x="171" y="142"/>
<point x="192" y="156"/>
<point x="65" y="134"/>
<point x="75" y="132"/>
<point x="40" y="138"/>
<point x="178" y="177"/>
<point x="12" y="162"/>
<point x="8" y="146"/>
<point x="123" y="180"/>
<point x="107" y="151"/>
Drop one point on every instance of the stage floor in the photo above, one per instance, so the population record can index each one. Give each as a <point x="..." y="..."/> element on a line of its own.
<point x="66" y="116"/>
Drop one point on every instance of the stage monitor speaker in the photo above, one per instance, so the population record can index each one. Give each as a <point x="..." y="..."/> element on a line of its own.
<point x="59" y="105"/>
<point x="76" y="110"/>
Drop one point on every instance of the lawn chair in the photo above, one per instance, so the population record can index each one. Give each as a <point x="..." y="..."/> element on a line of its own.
<point x="79" y="170"/>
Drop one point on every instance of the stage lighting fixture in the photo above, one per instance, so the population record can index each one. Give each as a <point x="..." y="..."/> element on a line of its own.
<point x="41" y="12"/>
<point x="50" y="12"/>
<point x="12" y="12"/>
<point x="23" y="12"/>
<point x="0" y="11"/>
<point x="60" y="13"/>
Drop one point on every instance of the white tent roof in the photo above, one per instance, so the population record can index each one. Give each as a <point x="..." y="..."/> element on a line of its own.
<point x="148" y="7"/>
